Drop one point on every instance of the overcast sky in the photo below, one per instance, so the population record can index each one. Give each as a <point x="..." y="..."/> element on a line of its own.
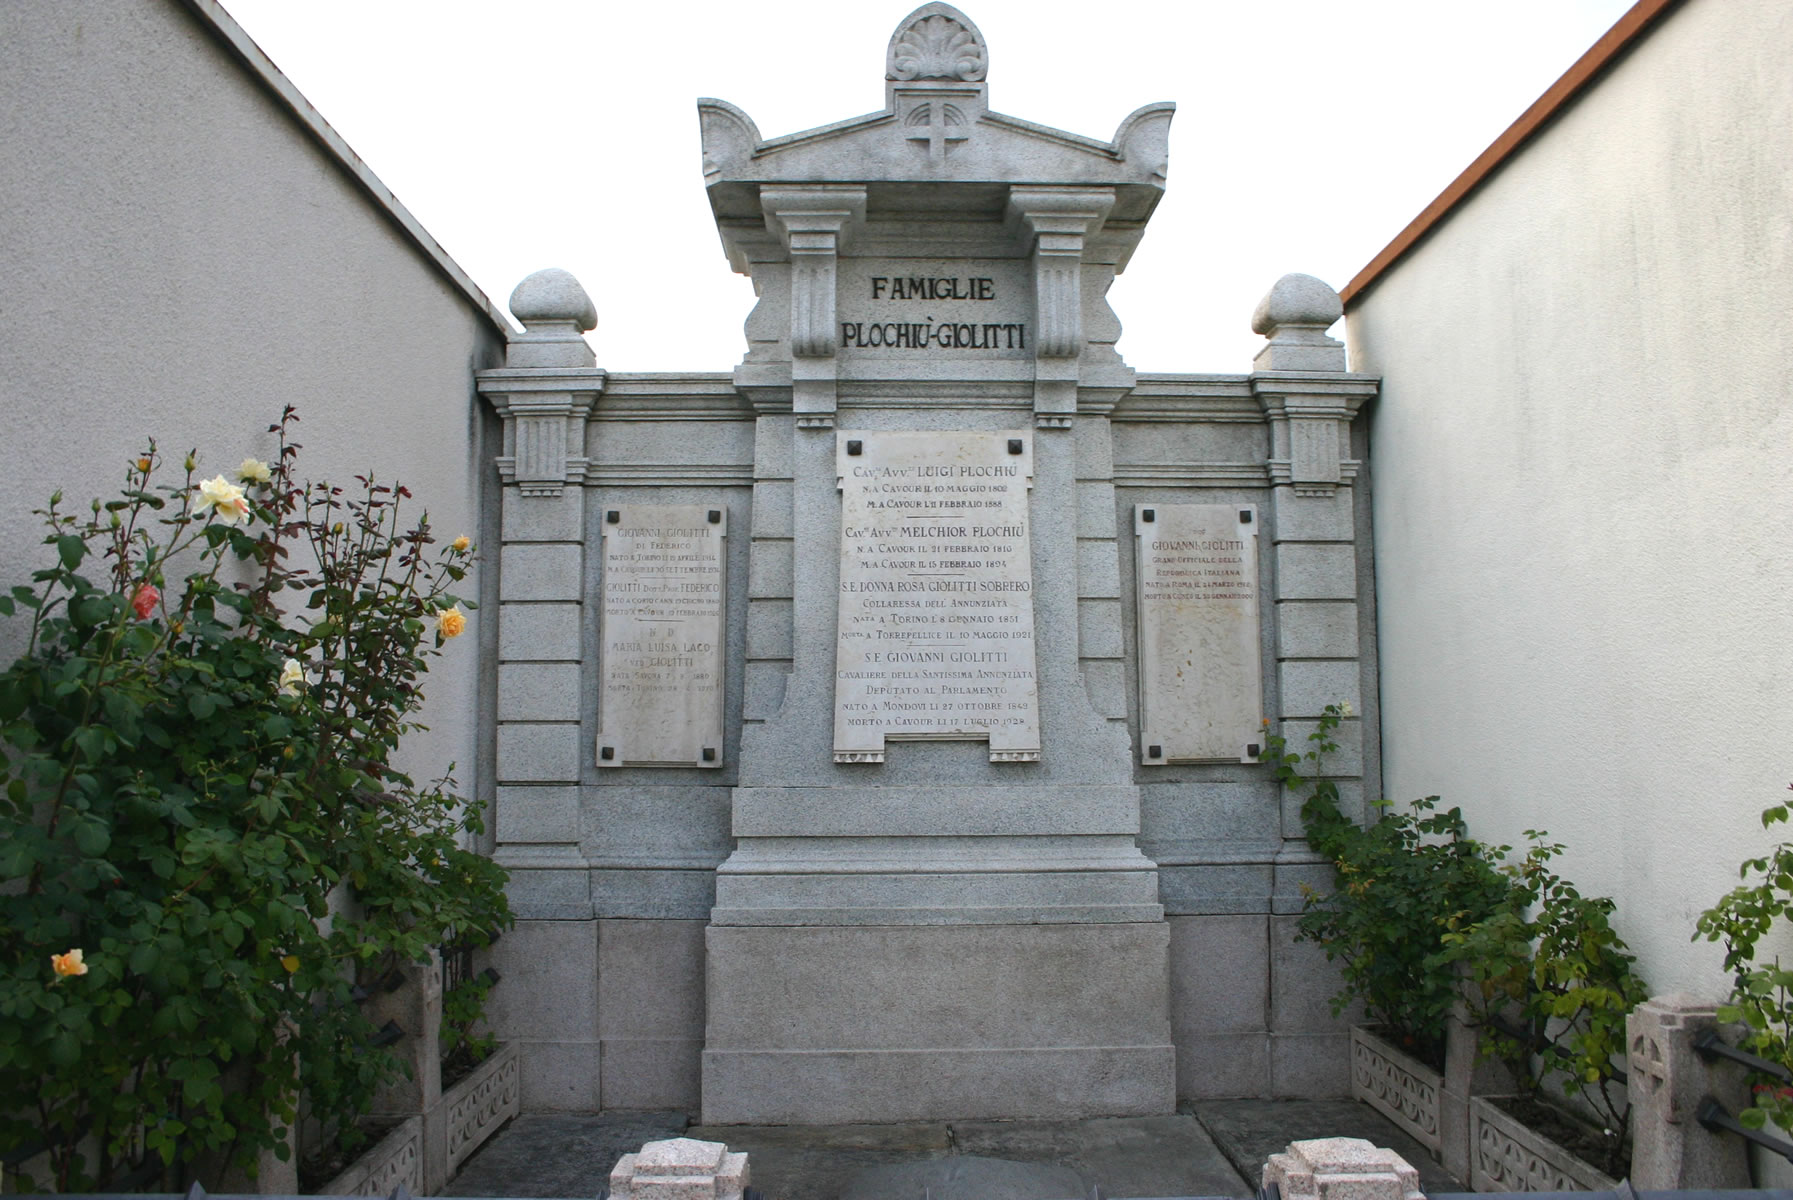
<point x="539" y="133"/>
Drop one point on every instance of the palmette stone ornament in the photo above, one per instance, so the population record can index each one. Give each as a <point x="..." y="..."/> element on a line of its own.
<point x="937" y="42"/>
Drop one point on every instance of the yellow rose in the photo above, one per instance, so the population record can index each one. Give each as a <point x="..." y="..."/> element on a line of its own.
<point x="292" y="677"/>
<point x="68" y="964"/>
<point x="451" y="622"/>
<point x="144" y="464"/>
<point x="254" y="470"/>
<point x="461" y="544"/>
<point x="223" y="497"/>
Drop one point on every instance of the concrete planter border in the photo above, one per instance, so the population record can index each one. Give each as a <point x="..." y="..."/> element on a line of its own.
<point x="1399" y="1087"/>
<point x="426" y="1150"/>
<point x="473" y="1109"/>
<point x="395" y="1159"/>
<point x="1508" y="1156"/>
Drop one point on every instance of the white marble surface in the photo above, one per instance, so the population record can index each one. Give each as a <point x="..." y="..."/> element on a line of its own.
<point x="661" y="664"/>
<point x="935" y="638"/>
<point x="1201" y="692"/>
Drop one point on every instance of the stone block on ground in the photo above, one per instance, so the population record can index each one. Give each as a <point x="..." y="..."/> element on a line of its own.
<point x="1341" y="1168"/>
<point x="680" y="1169"/>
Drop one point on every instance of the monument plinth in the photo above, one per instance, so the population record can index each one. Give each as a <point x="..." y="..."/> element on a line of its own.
<point x="937" y="905"/>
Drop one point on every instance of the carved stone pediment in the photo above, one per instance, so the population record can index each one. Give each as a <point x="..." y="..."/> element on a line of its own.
<point x="936" y="119"/>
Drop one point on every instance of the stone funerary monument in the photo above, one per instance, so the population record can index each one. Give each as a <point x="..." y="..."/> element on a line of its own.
<point x="878" y="725"/>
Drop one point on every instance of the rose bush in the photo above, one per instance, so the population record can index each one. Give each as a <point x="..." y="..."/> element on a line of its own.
<point x="207" y="852"/>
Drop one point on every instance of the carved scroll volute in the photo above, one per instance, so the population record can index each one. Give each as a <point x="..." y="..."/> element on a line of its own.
<point x="1058" y="301"/>
<point x="812" y="295"/>
<point x="813" y="223"/>
<point x="1057" y="223"/>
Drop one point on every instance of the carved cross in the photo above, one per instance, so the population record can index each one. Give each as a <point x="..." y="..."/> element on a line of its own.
<point x="1646" y="1061"/>
<point x="927" y="123"/>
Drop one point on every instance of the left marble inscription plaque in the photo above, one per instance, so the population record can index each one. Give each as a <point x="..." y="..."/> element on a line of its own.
<point x="661" y="670"/>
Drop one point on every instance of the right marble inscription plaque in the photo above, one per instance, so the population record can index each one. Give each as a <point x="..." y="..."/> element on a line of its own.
<point x="1201" y="689"/>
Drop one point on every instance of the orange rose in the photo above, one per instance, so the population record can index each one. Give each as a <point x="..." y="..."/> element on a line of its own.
<point x="451" y="622"/>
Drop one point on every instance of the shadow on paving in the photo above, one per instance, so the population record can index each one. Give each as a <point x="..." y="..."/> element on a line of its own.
<point x="559" y="1154"/>
<point x="1218" y="1150"/>
<point x="1127" y="1156"/>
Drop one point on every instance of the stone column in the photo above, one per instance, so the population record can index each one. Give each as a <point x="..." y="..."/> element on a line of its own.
<point x="1310" y="400"/>
<point x="545" y="393"/>
<point x="1668" y="1080"/>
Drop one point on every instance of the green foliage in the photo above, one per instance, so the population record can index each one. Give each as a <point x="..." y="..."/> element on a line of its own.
<point x="463" y="1007"/>
<point x="1550" y="982"/>
<point x="197" y="791"/>
<point x="1421" y="908"/>
<point x="1762" y="994"/>
<point x="1402" y="882"/>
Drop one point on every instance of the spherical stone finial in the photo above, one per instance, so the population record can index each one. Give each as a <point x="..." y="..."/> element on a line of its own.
<point x="1297" y="300"/>
<point x="553" y="295"/>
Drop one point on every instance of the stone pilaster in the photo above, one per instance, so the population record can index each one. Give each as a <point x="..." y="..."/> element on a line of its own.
<point x="1318" y="571"/>
<point x="1100" y="639"/>
<point x="544" y="393"/>
<point x="1310" y="400"/>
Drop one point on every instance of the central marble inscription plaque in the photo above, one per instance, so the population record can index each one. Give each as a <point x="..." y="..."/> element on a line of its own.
<point x="936" y="593"/>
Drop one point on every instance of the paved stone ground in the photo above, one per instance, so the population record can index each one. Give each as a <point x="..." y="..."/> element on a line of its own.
<point x="1215" y="1148"/>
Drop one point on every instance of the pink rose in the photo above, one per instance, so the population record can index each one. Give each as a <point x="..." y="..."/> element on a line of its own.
<point x="145" y="599"/>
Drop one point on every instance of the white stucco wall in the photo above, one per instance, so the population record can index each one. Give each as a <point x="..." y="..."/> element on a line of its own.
<point x="178" y="258"/>
<point x="1583" y="482"/>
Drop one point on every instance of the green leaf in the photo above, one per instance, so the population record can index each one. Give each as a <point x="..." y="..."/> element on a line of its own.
<point x="92" y="838"/>
<point x="71" y="549"/>
<point x="144" y="958"/>
<point x="65" y="1050"/>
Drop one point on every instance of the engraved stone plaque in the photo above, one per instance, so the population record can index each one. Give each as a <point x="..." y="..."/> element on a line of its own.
<point x="661" y="670"/>
<point x="936" y="593"/>
<point x="1201" y="687"/>
<point x="914" y="311"/>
